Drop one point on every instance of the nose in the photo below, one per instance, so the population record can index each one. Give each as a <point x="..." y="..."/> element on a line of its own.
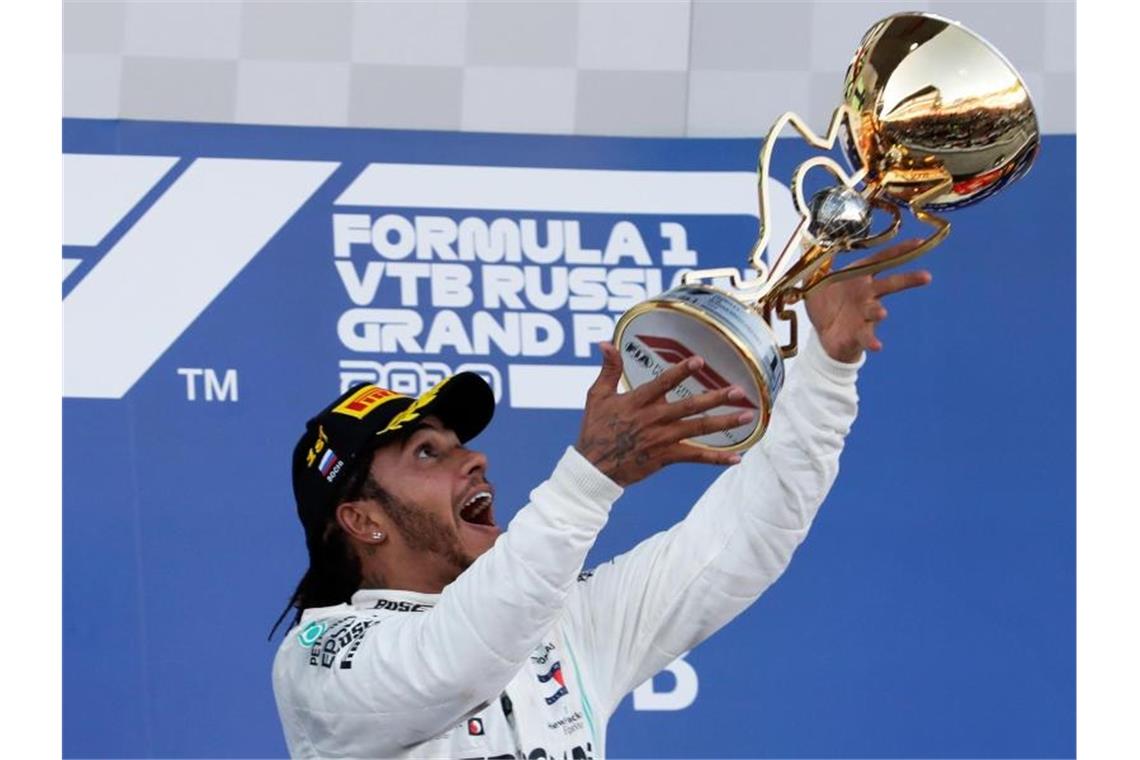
<point x="475" y="463"/>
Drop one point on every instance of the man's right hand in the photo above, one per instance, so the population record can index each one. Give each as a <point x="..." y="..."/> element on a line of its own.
<point x="629" y="436"/>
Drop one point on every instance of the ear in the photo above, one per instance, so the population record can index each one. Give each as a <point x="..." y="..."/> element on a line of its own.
<point x="363" y="521"/>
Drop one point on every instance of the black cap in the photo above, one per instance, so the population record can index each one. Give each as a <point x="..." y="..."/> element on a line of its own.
<point x="360" y="419"/>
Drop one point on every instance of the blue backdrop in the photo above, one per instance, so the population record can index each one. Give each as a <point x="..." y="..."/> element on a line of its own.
<point x="930" y="613"/>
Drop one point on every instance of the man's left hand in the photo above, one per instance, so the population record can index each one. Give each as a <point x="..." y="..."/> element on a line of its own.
<point x="845" y="313"/>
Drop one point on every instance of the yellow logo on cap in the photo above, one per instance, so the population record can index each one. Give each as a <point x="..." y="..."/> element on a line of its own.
<point x="413" y="411"/>
<point x="364" y="401"/>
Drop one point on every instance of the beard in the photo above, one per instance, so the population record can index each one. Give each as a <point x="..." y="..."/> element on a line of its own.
<point x="426" y="532"/>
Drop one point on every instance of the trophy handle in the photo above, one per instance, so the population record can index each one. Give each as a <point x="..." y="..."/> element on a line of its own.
<point x="763" y="171"/>
<point x="765" y="308"/>
<point x="746" y="286"/>
<point x="793" y="345"/>
<point x="763" y="168"/>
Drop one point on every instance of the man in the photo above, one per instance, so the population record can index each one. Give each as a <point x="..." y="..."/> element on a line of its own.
<point x="423" y="632"/>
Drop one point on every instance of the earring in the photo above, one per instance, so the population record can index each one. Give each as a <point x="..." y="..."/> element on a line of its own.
<point x="377" y="535"/>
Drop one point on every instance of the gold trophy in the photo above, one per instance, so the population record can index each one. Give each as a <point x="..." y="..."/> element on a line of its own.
<point x="933" y="118"/>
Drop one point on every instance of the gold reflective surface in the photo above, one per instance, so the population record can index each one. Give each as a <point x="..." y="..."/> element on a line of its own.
<point x="933" y="105"/>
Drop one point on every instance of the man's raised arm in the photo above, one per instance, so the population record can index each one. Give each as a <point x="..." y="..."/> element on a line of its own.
<point x="649" y="606"/>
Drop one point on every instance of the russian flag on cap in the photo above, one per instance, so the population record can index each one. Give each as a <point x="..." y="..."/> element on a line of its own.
<point x="328" y="461"/>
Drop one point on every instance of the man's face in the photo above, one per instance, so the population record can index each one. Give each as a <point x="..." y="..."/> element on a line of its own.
<point x="441" y="501"/>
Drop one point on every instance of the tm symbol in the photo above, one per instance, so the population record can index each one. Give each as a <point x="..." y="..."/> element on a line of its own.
<point x="214" y="389"/>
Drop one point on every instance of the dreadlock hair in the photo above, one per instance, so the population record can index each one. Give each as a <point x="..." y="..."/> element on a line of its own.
<point x="334" y="569"/>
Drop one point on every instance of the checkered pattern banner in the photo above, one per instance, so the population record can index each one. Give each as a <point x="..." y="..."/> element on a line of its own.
<point x="647" y="68"/>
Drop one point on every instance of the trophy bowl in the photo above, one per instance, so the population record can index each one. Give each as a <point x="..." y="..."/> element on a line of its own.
<point x="930" y="100"/>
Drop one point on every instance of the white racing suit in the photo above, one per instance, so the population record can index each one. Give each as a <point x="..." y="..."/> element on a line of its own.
<point x="524" y="656"/>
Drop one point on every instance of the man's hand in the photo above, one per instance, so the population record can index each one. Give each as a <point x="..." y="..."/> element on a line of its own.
<point x="845" y="313"/>
<point x="629" y="436"/>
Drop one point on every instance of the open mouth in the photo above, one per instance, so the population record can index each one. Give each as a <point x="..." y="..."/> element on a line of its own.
<point x="476" y="510"/>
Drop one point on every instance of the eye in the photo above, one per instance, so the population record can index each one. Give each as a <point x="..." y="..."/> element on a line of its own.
<point x="426" y="451"/>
